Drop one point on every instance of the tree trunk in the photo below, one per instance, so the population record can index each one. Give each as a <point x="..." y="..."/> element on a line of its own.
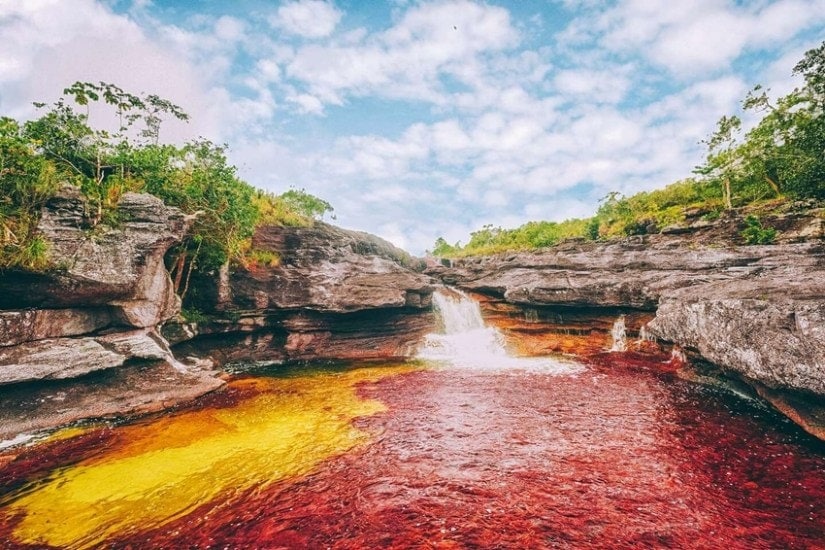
<point x="189" y="272"/>
<point x="773" y="185"/>
<point x="726" y="194"/>
<point x="180" y="262"/>
<point x="224" y="290"/>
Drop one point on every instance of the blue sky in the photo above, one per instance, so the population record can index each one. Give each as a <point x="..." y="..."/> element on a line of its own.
<point x="426" y="119"/>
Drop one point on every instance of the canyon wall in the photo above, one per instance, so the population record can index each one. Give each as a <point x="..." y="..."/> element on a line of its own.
<point x="90" y="337"/>
<point x="327" y="293"/>
<point x="755" y="312"/>
<point x="81" y="339"/>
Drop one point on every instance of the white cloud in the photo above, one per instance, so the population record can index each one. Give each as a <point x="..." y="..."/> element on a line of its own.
<point x="469" y="125"/>
<point x="689" y="38"/>
<point x="229" y="29"/>
<point x="307" y="104"/>
<point x="307" y="18"/>
<point x="49" y="44"/>
<point x="407" y="60"/>
<point x="600" y="86"/>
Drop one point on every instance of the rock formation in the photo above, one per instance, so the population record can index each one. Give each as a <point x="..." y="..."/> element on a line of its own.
<point x="333" y="294"/>
<point x="98" y="309"/>
<point x="84" y="339"/>
<point x="757" y="312"/>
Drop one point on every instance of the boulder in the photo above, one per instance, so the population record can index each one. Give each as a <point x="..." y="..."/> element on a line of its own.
<point x="60" y="358"/>
<point x="326" y="268"/>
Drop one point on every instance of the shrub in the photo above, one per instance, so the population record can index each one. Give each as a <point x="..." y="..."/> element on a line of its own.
<point x="755" y="233"/>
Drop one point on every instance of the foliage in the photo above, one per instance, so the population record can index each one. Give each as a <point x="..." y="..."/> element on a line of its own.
<point x="783" y="153"/>
<point x="262" y="258"/>
<point x="490" y="240"/>
<point x="292" y="208"/>
<point x="781" y="158"/>
<point x="61" y="146"/>
<point x="194" y="315"/>
<point x="305" y="204"/>
<point x="443" y="249"/>
<point x="27" y="179"/>
<point x="754" y="233"/>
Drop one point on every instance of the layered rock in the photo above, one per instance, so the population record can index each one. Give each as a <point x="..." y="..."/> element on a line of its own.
<point x="97" y="309"/>
<point x="758" y="312"/>
<point x="332" y="294"/>
<point x="118" y="269"/>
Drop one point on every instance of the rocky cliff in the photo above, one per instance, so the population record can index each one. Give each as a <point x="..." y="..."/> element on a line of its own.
<point x="756" y="312"/>
<point x="329" y="293"/>
<point x="84" y="339"/>
<point x="73" y="337"/>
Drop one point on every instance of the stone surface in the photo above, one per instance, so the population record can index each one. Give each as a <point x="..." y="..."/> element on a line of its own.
<point x="59" y="358"/>
<point x="768" y="337"/>
<point x="335" y="294"/>
<point x="325" y="268"/>
<point x="131" y="390"/>
<point x="93" y="317"/>
<point x="28" y="325"/>
<point x="117" y="267"/>
<point x="758" y="312"/>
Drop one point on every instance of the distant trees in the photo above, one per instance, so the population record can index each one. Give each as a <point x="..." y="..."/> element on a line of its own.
<point x="782" y="156"/>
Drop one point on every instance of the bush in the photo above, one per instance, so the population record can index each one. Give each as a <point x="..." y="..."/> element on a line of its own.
<point x="754" y="233"/>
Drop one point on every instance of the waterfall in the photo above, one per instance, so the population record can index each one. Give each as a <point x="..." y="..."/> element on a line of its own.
<point x="458" y="313"/>
<point x="619" y="334"/>
<point x="677" y="356"/>
<point x="466" y="341"/>
<point x="645" y="336"/>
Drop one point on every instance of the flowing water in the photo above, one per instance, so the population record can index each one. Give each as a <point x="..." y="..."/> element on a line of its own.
<point x="469" y="448"/>
<point x="619" y="335"/>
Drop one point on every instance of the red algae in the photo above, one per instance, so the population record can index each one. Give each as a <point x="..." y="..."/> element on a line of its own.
<point x="621" y="455"/>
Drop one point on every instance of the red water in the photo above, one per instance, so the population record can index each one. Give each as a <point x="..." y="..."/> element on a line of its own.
<point x="621" y="455"/>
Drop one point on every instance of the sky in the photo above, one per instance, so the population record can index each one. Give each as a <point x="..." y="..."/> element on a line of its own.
<point x="420" y="119"/>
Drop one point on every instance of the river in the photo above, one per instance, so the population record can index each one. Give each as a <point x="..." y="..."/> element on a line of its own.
<point x="467" y="447"/>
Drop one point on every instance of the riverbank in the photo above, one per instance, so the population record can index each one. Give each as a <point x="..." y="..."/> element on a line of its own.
<point x="752" y="313"/>
<point x="103" y="337"/>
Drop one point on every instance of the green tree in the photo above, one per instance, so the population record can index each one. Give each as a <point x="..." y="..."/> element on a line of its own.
<point x="95" y="159"/>
<point x="27" y="179"/>
<point x="306" y="204"/>
<point x="198" y="179"/>
<point x="724" y="160"/>
<point x="443" y="249"/>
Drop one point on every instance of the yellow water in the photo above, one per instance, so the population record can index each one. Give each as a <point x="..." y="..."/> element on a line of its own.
<point x="167" y="467"/>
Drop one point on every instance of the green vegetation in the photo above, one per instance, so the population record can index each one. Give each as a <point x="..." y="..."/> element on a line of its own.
<point x="779" y="160"/>
<point x="262" y="258"/>
<point x="62" y="147"/>
<point x="754" y="233"/>
<point x="490" y="240"/>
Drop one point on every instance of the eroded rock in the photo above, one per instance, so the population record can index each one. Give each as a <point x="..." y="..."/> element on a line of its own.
<point x="758" y="312"/>
<point x="117" y="267"/>
<point x="334" y="294"/>
<point x="59" y="358"/>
